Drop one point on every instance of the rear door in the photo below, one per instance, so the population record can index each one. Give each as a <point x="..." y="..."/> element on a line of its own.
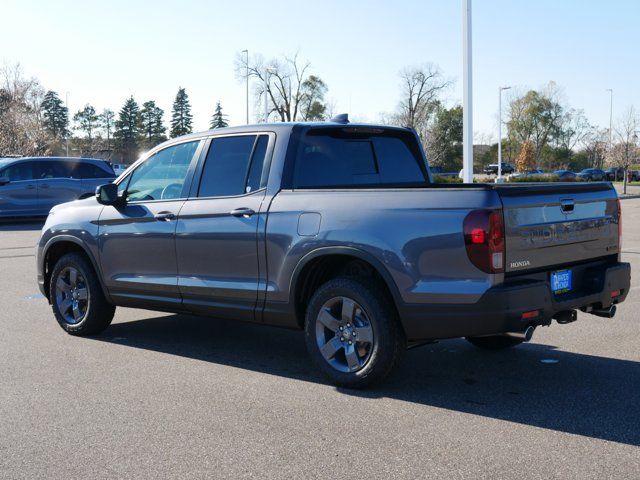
<point x="548" y="225"/>
<point x="217" y="232"/>
<point x="19" y="197"/>
<point x="58" y="182"/>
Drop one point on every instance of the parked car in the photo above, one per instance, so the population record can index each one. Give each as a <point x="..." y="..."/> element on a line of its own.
<point x="592" y="175"/>
<point x="119" y="168"/>
<point x="528" y="173"/>
<point x="31" y="186"/>
<point x="565" y="175"/>
<point x="492" y="169"/>
<point x="336" y="229"/>
<point x="633" y="175"/>
<point x="439" y="172"/>
<point x="614" y="174"/>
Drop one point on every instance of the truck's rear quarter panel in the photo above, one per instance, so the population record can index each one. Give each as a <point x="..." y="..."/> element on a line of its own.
<point x="415" y="233"/>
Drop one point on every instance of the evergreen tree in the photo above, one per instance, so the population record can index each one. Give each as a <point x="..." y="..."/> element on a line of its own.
<point x="181" y="115"/>
<point x="126" y="133"/>
<point x="106" y="121"/>
<point x="55" y="116"/>
<point x="87" y="122"/>
<point x="152" y="128"/>
<point x="219" y="119"/>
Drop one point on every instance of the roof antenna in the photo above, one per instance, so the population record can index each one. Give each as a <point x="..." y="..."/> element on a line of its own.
<point x="340" y="118"/>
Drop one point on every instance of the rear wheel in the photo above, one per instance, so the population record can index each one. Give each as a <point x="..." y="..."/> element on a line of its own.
<point x="77" y="299"/>
<point x="352" y="332"/>
<point x="494" y="342"/>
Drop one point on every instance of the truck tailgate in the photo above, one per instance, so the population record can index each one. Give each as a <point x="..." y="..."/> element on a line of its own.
<point x="558" y="224"/>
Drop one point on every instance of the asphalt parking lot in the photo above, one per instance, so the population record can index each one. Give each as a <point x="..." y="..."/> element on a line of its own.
<point x="161" y="395"/>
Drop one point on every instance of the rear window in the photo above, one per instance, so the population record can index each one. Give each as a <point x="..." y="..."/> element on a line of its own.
<point x="353" y="157"/>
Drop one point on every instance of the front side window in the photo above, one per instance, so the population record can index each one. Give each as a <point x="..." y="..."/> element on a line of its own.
<point x="233" y="166"/>
<point x="162" y="176"/>
<point x="19" y="172"/>
<point x="349" y="158"/>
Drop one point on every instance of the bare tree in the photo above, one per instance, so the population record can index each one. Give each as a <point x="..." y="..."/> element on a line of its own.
<point x="573" y="131"/>
<point x="21" y="124"/>
<point x="421" y="90"/>
<point x="293" y="93"/>
<point x="626" y="149"/>
<point x="596" y="144"/>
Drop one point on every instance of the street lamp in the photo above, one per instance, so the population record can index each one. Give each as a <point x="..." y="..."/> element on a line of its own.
<point x="610" y="90"/>
<point x="500" y="90"/>
<point x="467" y="90"/>
<point x="246" y="52"/>
<point x="266" y="95"/>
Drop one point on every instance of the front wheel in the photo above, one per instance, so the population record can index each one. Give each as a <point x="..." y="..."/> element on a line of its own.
<point x="352" y="332"/>
<point x="77" y="299"/>
<point x="494" y="342"/>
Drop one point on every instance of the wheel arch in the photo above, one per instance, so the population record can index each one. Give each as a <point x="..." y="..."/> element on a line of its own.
<point x="335" y="259"/>
<point x="60" y="245"/>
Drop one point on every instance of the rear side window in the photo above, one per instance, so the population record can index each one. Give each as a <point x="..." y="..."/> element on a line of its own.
<point x="233" y="166"/>
<point x="356" y="157"/>
<point x="19" y="172"/>
<point x="58" y="169"/>
<point x="89" y="170"/>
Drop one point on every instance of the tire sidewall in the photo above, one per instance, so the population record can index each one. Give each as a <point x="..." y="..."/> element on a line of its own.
<point x="71" y="260"/>
<point x="382" y="323"/>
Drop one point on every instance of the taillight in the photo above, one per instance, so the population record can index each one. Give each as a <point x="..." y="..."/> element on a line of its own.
<point x="484" y="239"/>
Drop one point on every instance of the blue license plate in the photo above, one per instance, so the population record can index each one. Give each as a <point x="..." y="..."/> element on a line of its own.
<point x="561" y="281"/>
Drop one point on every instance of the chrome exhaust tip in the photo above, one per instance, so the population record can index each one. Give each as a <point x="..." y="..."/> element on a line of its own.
<point x="604" y="312"/>
<point x="524" y="335"/>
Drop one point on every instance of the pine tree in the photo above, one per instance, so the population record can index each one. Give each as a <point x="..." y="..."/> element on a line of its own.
<point x="106" y="121"/>
<point x="87" y="122"/>
<point x="526" y="159"/>
<point x="219" y="119"/>
<point x="56" y="116"/>
<point x="126" y="133"/>
<point x="181" y="116"/>
<point x="152" y="128"/>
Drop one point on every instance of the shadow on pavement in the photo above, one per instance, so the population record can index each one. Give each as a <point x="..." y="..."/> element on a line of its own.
<point x="580" y="394"/>
<point x="21" y="225"/>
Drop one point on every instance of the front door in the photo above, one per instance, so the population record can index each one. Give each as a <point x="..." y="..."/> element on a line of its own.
<point x="216" y="237"/>
<point x="19" y="197"/>
<point x="137" y="241"/>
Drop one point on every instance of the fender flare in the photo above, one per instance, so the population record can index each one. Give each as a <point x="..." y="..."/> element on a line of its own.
<point x="380" y="268"/>
<point x="82" y="244"/>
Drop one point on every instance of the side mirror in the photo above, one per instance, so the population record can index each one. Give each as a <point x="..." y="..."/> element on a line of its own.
<point x="108" y="195"/>
<point x="4" y="180"/>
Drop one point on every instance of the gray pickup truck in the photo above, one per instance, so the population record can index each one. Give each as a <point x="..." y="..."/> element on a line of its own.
<point x="337" y="229"/>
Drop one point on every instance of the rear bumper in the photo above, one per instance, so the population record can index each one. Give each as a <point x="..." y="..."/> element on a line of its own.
<point x="500" y="309"/>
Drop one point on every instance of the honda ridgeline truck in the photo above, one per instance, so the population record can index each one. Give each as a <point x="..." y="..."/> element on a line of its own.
<point x="337" y="229"/>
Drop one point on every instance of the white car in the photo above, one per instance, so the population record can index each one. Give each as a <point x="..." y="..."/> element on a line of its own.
<point x="118" y="168"/>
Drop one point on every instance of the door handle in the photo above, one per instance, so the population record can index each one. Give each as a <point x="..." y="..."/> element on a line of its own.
<point x="44" y="185"/>
<point x="166" y="216"/>
<point x="242" y="212"/>
<point x="30" y="187"/>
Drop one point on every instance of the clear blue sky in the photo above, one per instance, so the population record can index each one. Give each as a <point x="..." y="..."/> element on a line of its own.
<point x="103" y="51"/>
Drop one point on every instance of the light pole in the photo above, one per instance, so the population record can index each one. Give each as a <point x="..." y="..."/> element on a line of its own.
<point x="266" y="94"/>
<point x="610" y="90"/>
<point x="500" y="89"/>
<point x="467" y="90"/>
<point x="246" y="52"/>
<point x="66" y="104"/>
